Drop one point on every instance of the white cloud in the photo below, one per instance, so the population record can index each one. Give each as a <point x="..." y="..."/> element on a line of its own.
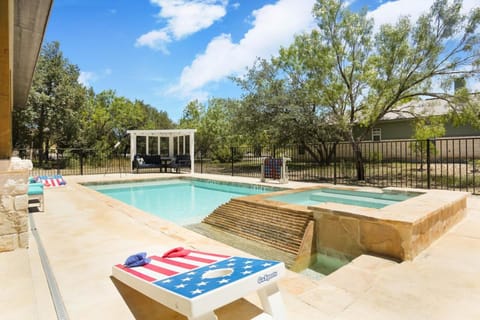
<point x="183" y="18"/>
<point x="391" y="11"/>
<point x="156" y="39"/>
<point x="273" y="26"/>
<point x="87" y="78"/>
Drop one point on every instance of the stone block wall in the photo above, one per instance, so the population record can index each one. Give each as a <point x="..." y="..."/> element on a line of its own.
<point x="400" y="231"/>
<point x="14" y="204"/>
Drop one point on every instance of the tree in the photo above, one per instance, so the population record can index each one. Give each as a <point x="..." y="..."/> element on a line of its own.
<point x="61" y="112"/>
<point x="427" y="128"/>
<point x="106" y="118"/>
<point x="213" y="122"/>
<point x="364" y="75"/>
<point x="280" y="107"/>
<point x="53" y="106"/>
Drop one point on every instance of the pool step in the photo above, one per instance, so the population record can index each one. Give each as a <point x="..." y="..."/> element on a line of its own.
<point x="277" y="227"/>
<point x="351" y="199"/>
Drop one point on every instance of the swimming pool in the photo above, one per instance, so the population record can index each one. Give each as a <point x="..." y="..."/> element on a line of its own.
<point x="367" y="199"/>
<point x="182" y="201"/>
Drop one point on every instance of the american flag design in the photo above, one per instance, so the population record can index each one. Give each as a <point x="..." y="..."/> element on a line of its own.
<point x="272" y="168"/>
<point x="52" y="181"/>
<point x="199" y="272"/>
<point x="197" y="282"/>
<point x="160" y="268"/>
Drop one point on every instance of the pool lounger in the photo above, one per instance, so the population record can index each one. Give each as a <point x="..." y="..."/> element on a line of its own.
<point x="52" y="181"/>
<point x="35" y="194"/>
<point x="198" y="283"/>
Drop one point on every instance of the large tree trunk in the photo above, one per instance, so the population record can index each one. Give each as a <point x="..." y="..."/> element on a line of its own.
<point x="41" y="134"/>
<point x="358" y="157"/>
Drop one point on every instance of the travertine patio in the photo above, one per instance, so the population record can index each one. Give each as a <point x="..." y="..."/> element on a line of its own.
<point x="85" y="233"/>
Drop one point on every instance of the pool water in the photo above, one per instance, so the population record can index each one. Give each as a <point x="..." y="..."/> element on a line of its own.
<point x="181" y="201"/>
<point x="352" y="197"/>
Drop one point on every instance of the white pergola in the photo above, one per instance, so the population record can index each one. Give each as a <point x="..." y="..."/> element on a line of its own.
<point x="176" y="143"/>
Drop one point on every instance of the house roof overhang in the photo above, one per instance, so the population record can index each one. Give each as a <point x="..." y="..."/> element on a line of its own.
<point x="30" y="22"/>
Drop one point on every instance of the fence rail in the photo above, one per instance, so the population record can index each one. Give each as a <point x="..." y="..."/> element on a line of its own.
<point x="448" y="163"/>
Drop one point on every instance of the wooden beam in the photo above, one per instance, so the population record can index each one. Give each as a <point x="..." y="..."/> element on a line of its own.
<point x="6" y="65"/>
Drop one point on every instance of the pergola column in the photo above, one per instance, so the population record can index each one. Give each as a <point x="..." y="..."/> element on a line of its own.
<point x="191" y="141"/>
<point x="146" y="145"/>
<point x="133" y="146"/>
<point x="170" y="145"/>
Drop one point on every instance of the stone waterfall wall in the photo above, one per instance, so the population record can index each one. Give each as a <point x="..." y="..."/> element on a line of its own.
<point x="14" y="203"/>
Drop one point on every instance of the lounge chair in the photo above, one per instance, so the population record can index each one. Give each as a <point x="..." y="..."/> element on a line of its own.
<point x="35" y="194"/>
<point x="198" y="283"/>
<point x="179" y="161"/>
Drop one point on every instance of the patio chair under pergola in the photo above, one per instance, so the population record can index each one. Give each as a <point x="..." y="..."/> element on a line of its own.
<point x="166" y="143"/>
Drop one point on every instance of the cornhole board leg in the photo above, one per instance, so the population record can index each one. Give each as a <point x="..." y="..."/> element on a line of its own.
<point x="272" y="302"/>
<point x="206" y="316"/>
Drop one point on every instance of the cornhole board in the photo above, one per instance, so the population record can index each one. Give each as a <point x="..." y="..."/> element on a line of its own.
<point x="197" y="284"/>
<point x="274" y="168"/>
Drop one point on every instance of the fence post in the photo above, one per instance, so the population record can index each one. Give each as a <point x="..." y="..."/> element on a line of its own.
<point x="58" y="161"/>
<point x="335" y="164"/>
<point x="81" y="162"/>
<point x="201" y="161"/>
<point x="231" y="154"/>
<point x="428" y="164"/>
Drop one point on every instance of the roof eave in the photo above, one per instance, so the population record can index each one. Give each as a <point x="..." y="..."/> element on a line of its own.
<point x="30" y="23"/>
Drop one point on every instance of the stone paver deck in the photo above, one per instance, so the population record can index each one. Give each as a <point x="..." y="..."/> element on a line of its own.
<point x="85" y="233"/>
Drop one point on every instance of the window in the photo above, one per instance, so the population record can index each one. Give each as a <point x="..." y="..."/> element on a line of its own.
<point x="376" y="134"/>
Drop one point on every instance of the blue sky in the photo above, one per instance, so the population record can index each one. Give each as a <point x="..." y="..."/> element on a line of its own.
<point x="169" y="52"/>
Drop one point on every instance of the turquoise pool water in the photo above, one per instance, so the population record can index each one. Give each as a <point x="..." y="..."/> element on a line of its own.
<point x="180" y="201"/>
<point x="357" y="198"/>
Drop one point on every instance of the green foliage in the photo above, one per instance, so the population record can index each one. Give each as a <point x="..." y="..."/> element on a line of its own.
<point x="61" y="113"/>
<point x="427" y="128"/>
<point x="345" y="74"/>
<point x="214" y="123"/>
<point x="56" y="97"/>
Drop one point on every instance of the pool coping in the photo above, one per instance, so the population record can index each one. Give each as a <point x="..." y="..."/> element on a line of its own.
<point x="398" y="231"/>
<point x="442" y="281"/>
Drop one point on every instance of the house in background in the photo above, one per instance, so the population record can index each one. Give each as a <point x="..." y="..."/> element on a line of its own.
<point x="22" y="27"/>
<point x="400" y="124"/>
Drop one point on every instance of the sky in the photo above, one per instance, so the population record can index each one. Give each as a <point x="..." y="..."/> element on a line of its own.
<point x="170" y="52"/>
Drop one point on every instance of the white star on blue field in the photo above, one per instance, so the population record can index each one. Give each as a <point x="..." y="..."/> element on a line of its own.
<point x="194" y="283"/>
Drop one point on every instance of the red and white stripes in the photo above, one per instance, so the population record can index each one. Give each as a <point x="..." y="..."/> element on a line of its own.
<point x="160" y="268"/>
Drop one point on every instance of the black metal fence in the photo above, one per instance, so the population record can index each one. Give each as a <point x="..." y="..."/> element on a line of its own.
<point x="447" y="163"/>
